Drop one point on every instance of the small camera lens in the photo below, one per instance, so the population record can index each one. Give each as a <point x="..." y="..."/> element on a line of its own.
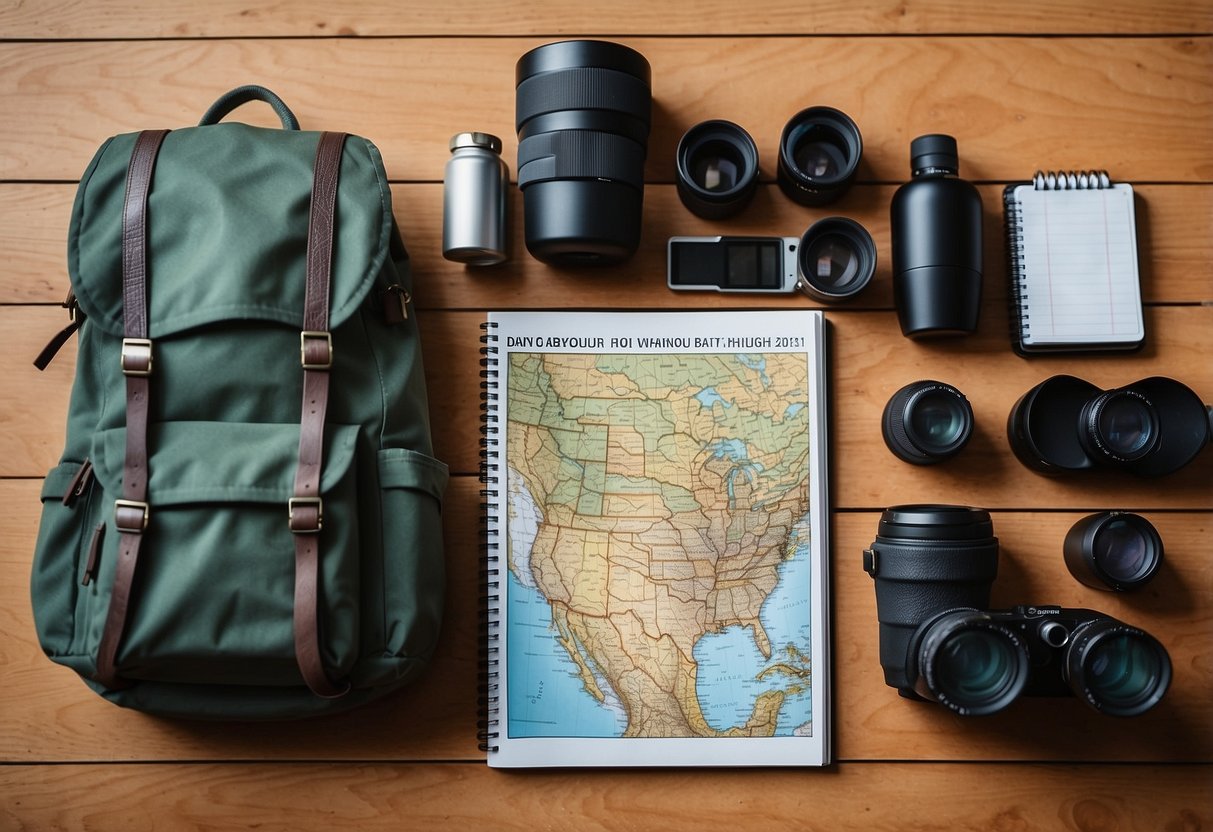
<point x="1113" y="550"/>
<point x="1120" y="425"/>
<point x="836" y="261"/>
<point x="717" y="166"/>
<point x="1117" y="669"/>
<point x="971" y="664"/>
<point x="927" y="422"/>
<point x="818" y="154"/>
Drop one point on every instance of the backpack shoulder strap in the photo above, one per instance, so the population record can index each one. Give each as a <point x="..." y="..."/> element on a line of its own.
<point x="316" y="354"/>
<point x="131" y="513"/>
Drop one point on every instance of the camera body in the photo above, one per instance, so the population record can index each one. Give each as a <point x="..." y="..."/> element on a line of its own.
<point x="933" y="567"/>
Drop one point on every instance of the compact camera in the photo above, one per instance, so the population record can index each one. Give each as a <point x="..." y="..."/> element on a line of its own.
<point x="933" y="568"/>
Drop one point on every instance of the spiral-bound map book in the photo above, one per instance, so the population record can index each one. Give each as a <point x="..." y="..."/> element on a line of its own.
<point x="656" y="583"/>
<point x="1072" y="262"/>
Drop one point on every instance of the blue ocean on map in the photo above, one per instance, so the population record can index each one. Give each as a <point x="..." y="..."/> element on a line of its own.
<point x="730" y="662"/>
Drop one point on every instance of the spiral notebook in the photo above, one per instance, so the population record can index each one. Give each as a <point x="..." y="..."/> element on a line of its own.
<point x="656" y="514"/>
<point x="1072" y="262"/>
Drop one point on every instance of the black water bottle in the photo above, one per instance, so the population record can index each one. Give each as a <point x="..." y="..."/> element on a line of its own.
<point x="936" y="219"/>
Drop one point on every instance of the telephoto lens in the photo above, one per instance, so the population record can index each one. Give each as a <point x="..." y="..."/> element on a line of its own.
<point x="1116" y="669"/>
<point x="1113" y="550"/>
<point x="836" y="261"/>
<point x="583" y="110"/>
<point x="819" y="153"/>
<point x="927" y="422"/>
<point x="927" y="559"/>
<point x="717" y="169"/>
<point x="1149" y="428"/>
<point x="937" y="255"/>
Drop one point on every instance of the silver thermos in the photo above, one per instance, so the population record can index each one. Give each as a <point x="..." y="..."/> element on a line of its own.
<point x="476" y="183"/>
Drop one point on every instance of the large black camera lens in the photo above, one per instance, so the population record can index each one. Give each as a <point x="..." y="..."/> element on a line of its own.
<point x="927" y="422"/>
<point x="1150" y="427"/>
<point x="717" y="166"/>
<point x="1117" y="669"/>
<point x="1120" y="425"/>
<point x="926" y="558"/>
<point x="1113" y="550"/>
<point x="818" y="154"/>
<point x="836" y="261"/>
<point x="971" y="664"/>
<point x="583" y="110"/>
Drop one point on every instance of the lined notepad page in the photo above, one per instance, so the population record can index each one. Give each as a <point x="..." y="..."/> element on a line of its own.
<point x="1079" y="282"/>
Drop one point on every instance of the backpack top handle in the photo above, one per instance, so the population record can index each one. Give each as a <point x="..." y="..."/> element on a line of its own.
<point x="242" y="95"/>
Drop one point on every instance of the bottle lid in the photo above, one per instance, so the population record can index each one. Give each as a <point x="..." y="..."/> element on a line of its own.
<point x="934" y="150"/>
<point x="485" y="140"/>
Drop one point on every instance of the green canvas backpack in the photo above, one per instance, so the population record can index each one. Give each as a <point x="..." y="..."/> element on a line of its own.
<point x="245" y="522"/>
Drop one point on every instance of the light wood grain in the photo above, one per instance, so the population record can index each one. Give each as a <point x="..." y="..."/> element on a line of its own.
<point x="1142" y="105"/>
<point x="233" y="18"/>
<point x="877" y="797"/>
<point x="1173" y="222"/>
<point x="869" y="362"/>
<point x="46" y="713"/>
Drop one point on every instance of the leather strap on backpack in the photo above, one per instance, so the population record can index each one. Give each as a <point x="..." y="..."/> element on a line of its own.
<point x="131" y="514"/>
<point x="316" y="355"/>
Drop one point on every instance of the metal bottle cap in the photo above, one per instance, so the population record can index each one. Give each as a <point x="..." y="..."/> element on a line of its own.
<point x="485" y="140"/>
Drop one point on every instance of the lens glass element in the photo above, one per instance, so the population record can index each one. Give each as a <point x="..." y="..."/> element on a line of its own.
<point x="937" y="419"/>
<point x="975" y="666"/>
<point x="1121" y="551"/>
<point x="1126" y="423"/>
<point x="716" y="166"/>
<point x="835" y="260"/>
<point x="819" y="152"/>
<point x="1123" y="671"/>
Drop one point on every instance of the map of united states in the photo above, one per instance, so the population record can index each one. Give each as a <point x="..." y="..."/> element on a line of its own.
<point x="657" y="504"/>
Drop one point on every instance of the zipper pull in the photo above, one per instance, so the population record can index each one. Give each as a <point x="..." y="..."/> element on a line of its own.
<point x="396" y="300"/>
<point x="79" y="483"/>
<point x="94" y="555"/>
<point x="75" y="318"/>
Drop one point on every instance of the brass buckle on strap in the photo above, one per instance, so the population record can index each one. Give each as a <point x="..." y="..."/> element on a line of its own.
<point x="126" y="526"/>
<point x="314" y="336"/>
<point x="293" y="502"/>
<point x="136" y="357"/>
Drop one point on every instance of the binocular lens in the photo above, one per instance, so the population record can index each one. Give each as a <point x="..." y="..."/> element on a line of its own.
<point x="717" y="167"/>
<point x="927" y="422"/>
<point x="818" y="154"/>
<point x="1119" y="670"/>
<point x="1113" y="550"/>
<point x="975" y="667"/>
<point x="1125" y="423"/>
<point x="837" y="259"/>
<point x="972" y="665"/>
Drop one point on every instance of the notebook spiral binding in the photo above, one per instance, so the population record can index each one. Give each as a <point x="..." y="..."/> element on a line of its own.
<point x="1020" y="325"/>
<point x="487" y="728"/>
<point x="1071" y="180"/>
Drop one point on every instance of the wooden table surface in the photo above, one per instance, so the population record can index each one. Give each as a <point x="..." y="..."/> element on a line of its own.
<point x="1115" y="84"/>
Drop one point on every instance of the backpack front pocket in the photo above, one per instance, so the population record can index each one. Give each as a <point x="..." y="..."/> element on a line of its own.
<point x="213" y="594"/>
